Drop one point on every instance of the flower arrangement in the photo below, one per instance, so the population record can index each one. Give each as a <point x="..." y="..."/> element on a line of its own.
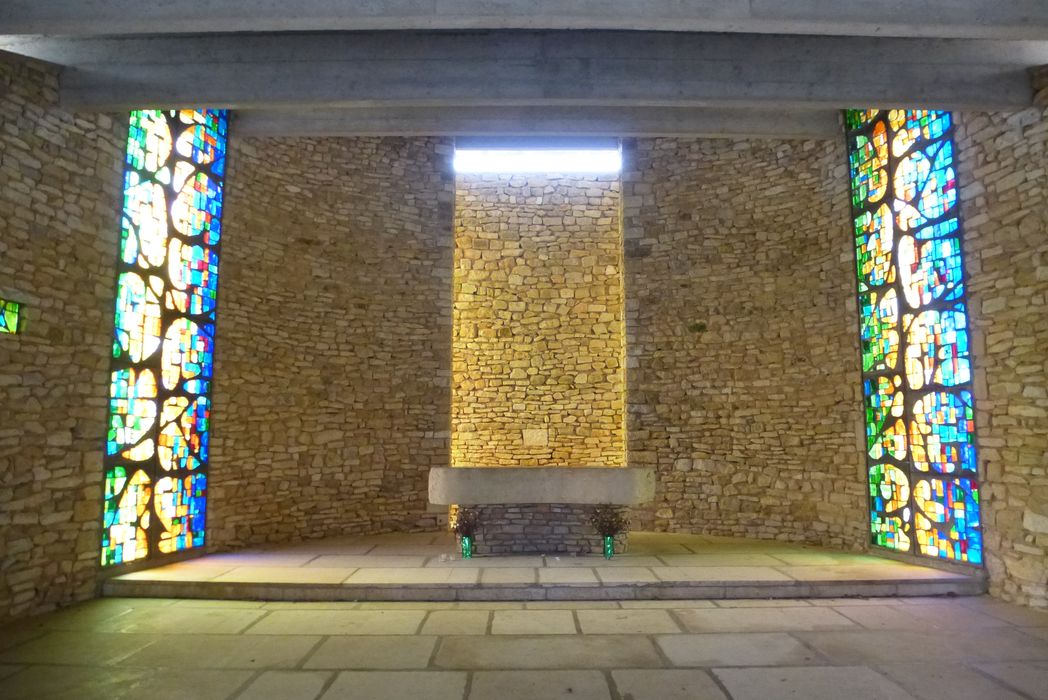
<point x="608" y="521"/>
<point x="466" y="522"/>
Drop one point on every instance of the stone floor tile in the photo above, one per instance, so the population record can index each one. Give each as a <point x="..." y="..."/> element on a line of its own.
<point x="531" y="685"/>
<point x="98" y="683"/>
<point x="715" y="574"/>
<point x="22" y="631"/>
<point x="397" y="685"/>
<point x="426" y="605"/>
<point x="329" y="547"/>
<point x="9" y="670"/>
<point x="934" y="680"/>
<point x="311" y="605"/>
<point x="625" y="574"/>
<point x="177" y="572"/>
<point x="268" y="559"/>
<point x="882" y="571"/>
<point x="286" y="685"/>
<point x="264" y="574"/>
<point x="71" y="682"/>
<point x="222" y="651"/>
<point x="787" y="619"/>
<point x="666" y="604"/>
<point x="1037" y="632"/>
<point x="78" y="648"/>
<point x="810" y="683"/>
<point x="515" y="575"/>
<point x="592" y="562"/>
<point x="626" y="622"/>
<point x="490" y="605"/>
<point x="453" y="622"/>
<point x="414" y="575"/>
<point x="339" y="622"/>
<point x="88" y="615"/>
<point x="567" y="576"/>
<point x="1030" y="677"/>
<point x="718" y="560"/>
<point x="373" y="653"/>
<point x="845" y="602"/>
<point x="575" y="652"/>
<point x="879" y="646"/>
<point x="533" y="622"/>
<point x="665" y="684"/>
<point x="826" y="558"/>
<point x="217" y="604"/>
<point x="509" y="562"/>
<point x="572" y="605"/>
<point x="447" y="549"/>
<point x="1015" y="614"/>
<point x="763" y="603"/>
<point x="926" y="618"/>
<point x="754" y="649"/>
<point x="358" y="561"/>
<point x="182" y="620"/>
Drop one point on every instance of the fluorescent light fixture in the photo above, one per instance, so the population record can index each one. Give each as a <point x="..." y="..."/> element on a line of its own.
<point x="486" y="160"/>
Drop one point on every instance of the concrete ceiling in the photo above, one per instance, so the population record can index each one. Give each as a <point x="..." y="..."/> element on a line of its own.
<point x="714" y="68"/>
<point x="961" y="19"/>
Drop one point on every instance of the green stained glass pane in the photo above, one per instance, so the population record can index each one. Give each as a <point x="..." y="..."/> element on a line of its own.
<point x="914" y="337"/>
<point x="163" y="344"/>
<point x="10" y="316"/>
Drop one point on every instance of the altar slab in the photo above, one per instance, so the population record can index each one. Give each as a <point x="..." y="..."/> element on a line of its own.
<point x="571" y="485"/>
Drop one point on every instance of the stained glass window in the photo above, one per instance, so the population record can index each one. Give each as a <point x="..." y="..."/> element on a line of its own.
<point x="163" y="350"/>
<point x="914" y="335"/>
<point x="10" y="316"/>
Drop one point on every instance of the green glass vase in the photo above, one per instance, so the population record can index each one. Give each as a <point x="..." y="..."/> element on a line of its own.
<point x="609" y="546"/>
<point x="467" y="546"/>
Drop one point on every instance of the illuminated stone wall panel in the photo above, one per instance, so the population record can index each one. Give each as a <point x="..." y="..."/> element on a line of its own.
<point x="163" y="351"/>
<point x="914" y="333"/>
<point x="538" y="346"/>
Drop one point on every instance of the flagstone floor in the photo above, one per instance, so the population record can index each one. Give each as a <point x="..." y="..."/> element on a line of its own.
<point x="426" y="566"/>
<point x="856" y="649"/>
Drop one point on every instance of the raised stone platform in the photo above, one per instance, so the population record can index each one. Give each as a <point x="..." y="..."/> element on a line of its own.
<point x="426" y="567"/>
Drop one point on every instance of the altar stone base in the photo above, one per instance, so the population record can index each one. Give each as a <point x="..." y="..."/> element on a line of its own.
<point x="538" y="528"/>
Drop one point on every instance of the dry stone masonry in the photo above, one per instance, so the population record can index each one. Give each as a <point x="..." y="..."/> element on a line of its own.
<point x="348" y="280"/>
<point x="60" y="184"/>
<point x="538" y="341"/>
<point x="539" y="528"/>
<point x="1003" y="171"/>
<point x="334" y="336"/>
<point x="744" y="389"/>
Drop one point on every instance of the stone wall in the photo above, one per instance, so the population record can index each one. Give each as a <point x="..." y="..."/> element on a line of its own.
<point x="539" y="528"/>
<point x="744" y="389"/>
<point x="538" y="342"/>
<point x="60" y="183"/>
<point x="1003" y="172"/>
<point x="334" y="334"/>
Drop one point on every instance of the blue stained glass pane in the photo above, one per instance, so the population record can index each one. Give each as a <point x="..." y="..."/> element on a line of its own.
<point x="920" y="422"/>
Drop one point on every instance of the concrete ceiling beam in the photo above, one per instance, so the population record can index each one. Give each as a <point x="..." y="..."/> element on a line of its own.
<point x="983" y="19"/>
<point x="541" y="121"/>
<point x="624" y="69"/>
